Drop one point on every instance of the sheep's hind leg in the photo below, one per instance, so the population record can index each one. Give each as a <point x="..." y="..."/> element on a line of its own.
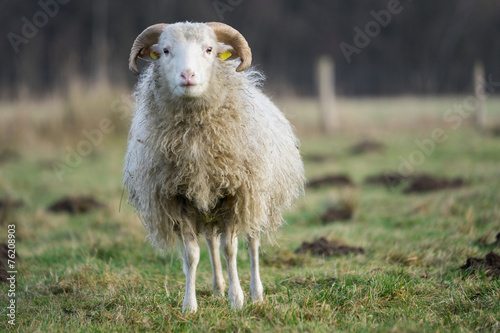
<point x="213" y="242"/>
<point x="230" y="249"/>
<point x="256" y="288"/>
<point x="191" y="259"/>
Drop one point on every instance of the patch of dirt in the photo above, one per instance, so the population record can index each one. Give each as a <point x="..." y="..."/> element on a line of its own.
<point x="419" y="183"/>
<point x="331" y="180"/>
<point x="366" y="146"/>
<point x="8" y="155"/>
<point x="3" y="275"/>
<point x="341" y="212"/>
<point x="427" y="183"/>
<point x="9" y="203"/>
<point x="388" y="179"/>
<point x="322" y="247"/>
<point x="495" y="131"/>
<point x="317" y="158"/>
<point x="490" y="264"/>
<point x="75" y="205"/>
<point x="4" y="251"/>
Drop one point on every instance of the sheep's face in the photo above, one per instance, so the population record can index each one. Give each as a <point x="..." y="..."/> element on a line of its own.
<point x="186" y="53"/>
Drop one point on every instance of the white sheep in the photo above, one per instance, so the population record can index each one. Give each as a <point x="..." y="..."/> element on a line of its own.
<point x="208" y="152"/>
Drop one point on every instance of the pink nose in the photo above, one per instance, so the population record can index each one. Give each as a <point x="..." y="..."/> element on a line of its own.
<point x="188" y="76"/>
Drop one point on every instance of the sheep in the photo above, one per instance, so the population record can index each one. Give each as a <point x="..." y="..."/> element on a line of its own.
<point x="208" y="153"/>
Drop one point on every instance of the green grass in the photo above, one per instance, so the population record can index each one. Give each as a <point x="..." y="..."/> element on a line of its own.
<point x="95" y="272"/>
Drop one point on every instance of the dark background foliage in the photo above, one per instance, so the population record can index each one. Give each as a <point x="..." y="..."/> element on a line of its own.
<point x="430" y="47"/>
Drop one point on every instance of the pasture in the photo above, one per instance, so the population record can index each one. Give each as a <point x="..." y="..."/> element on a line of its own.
<point x="94" y="271"/>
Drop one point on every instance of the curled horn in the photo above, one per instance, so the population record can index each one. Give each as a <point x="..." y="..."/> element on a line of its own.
<point x="147" y="38"/>
<point x="228" y="35"/>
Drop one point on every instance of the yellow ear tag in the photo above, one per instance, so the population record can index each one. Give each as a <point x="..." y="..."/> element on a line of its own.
<point x="154" y="55"/>
<point x="225" y="55"/>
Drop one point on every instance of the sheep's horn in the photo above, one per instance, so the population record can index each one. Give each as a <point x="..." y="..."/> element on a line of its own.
<point x="147" y="38"/>
<point x="228" y="35"/>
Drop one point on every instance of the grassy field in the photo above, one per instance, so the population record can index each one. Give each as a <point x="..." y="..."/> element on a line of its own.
<point x="95" y="272"/>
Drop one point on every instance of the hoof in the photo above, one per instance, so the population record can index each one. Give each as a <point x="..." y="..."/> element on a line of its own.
<point x="189" y="307"/>
<point x="236" y="299"/>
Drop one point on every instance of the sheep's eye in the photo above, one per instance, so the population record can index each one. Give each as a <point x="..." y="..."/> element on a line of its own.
<point x="209" y="50"/>
<point x="166" y="51"/>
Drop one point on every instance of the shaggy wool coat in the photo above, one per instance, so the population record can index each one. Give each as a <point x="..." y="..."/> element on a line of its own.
<point x="228" y="159"/>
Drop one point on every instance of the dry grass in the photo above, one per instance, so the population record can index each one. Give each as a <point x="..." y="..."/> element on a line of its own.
<point x="371" y="116"/>
<point x="94" y="272"/>
<point x="59" y="120"/>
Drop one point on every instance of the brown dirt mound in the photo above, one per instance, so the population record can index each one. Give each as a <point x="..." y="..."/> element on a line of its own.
<point x="342" y="212"/>
<point x="322" y="247"/>
<point x="317" y="158"/>
<point x="419" y="183"/>
<point x="366" y="146"/>
<point x="9" y="203"/>
<point x="490" y="264"/>
<point x="75" y="205"/>
<point x="4" y="251"/>
<point x="3" y="275"/>
<point x="388" y="179"/>
<point x="495" y="131"/>
<point x="3" y="262"/>
<point x="7" y="155"/>
<point x="427" y="183"/>
<point x="331" y="180"/>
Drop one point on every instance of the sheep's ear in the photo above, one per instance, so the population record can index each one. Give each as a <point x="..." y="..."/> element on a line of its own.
<point x="226" y="52"/>
<point x="150" y="53"/>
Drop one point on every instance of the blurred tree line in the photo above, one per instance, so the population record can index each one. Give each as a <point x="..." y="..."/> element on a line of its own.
<point x="379" y="46"/>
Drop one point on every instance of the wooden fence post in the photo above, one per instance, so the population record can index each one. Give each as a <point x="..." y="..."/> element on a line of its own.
<point x="479" y="91"/>
<point x="100" y="44"/>
<point x="325" y="74"/>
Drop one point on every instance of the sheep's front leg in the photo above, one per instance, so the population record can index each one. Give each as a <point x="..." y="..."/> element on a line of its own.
<point x="230" y="249"/>
<point x="191" y="259"/>
<point x="213" y="242"/>
<point x="256" y="288"/>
